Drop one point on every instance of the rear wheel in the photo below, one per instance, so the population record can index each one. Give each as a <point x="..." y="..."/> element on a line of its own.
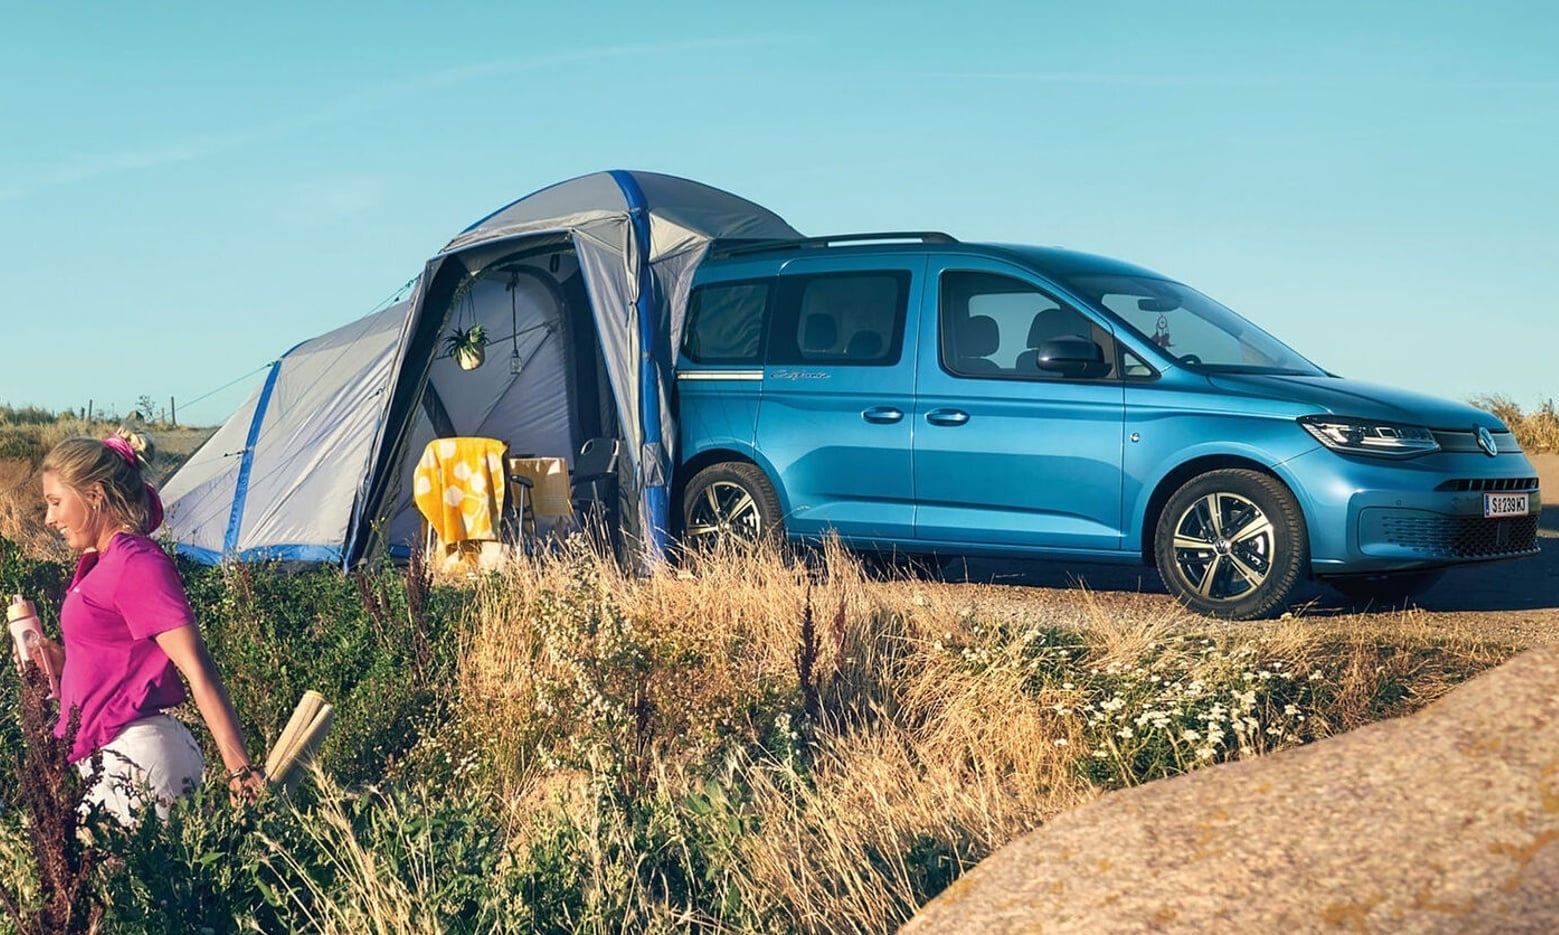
<point x="1393" y="588"/>
<point x="1232" y="543"/>
<point x="729" y="504"/>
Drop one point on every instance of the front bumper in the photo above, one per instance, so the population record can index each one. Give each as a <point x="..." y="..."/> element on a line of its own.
<point x="1369" y="517"/>
<point x="1425" y="536"/>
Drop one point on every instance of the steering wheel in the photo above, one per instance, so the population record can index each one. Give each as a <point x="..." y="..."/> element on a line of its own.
<point x="1191" y="359"/>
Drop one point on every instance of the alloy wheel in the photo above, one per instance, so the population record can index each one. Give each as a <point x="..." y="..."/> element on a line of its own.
<point x="1223" y="545"/>
<point x="724" y="511"/>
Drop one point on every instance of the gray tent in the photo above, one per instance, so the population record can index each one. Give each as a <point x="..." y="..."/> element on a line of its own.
<point x="581" y="288"/>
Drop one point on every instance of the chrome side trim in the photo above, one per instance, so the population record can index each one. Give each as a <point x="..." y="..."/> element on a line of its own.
<point x="700" y="375"/>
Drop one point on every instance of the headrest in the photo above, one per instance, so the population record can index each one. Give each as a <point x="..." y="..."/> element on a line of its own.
<point x="1057" y="323"/>
<point x="819" y="333"/>
<point x="864" y="344"/>
<point x="980" y="336"/>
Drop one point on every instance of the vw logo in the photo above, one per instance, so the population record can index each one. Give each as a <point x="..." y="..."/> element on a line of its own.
<point x="1486" y="441"/>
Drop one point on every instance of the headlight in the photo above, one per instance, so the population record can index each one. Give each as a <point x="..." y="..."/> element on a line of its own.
<point x="1366" y="437"/>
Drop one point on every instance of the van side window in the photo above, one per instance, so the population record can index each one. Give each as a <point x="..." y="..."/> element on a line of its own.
<point x="840" y="318"/>
<point x="725" y="323"/>
<point x="992" y="325"/>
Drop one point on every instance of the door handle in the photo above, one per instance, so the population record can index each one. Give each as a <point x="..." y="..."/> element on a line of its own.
<point x="947" y="417"/>
<point x="882" y="415"/>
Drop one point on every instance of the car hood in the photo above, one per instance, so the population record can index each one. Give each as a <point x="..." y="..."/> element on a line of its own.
<point x="1342" y="397"/>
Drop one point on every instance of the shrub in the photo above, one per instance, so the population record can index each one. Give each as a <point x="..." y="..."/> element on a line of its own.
<point x="1537" y="431"/>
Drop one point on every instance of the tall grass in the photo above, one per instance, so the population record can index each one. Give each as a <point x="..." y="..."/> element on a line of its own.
<point x="651" y="743"/>
<point x="741" y="743"/>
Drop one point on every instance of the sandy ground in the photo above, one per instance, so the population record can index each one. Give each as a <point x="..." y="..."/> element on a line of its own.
<point x="1514" y="602"/>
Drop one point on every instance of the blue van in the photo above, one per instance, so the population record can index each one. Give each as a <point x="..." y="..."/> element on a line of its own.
<point x="917" y="394"/>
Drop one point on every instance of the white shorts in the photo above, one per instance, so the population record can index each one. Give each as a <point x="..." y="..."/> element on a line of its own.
<point x="155" y="753"/>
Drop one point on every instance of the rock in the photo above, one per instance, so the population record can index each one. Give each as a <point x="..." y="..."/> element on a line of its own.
<point x="1444" y="821"/>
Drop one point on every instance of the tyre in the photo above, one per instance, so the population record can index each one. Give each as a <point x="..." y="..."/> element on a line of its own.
<point x="730" y="504"/>
<point x="1232" y="543"/>
<point x="1394" y="588"/>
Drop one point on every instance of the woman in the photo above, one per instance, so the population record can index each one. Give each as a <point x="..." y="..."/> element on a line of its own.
<point x="129" y="633"/>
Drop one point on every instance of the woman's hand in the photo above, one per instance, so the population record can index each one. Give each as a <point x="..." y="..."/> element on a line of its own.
<point x="246" y="784"/>
<point x="55" y="653"/>
<point x="52" y="653"/>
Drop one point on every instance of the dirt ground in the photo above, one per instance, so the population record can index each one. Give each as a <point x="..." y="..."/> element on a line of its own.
<point x="1514" y="602"/>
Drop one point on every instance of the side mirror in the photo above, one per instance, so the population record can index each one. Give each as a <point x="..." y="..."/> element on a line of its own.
<point x="1072" y="357"/>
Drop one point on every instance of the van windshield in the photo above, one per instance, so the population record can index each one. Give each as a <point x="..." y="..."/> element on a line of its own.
<point x="1191" y="328"/>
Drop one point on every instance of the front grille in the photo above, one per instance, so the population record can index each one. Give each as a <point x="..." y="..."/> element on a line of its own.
<point x="1462" y="442"/>
<point x="1467" y="537"/>
<point x="1497" y="484"/>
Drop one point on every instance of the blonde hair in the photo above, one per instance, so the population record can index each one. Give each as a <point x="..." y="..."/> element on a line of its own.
<point x="84" y="463"/>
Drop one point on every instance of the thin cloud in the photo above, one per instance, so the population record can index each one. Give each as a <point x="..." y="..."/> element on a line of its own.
<point x="1294" y="81"/>
<point x="205" y="146"/>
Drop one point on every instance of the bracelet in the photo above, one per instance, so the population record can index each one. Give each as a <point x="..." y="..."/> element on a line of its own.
<point x="244" y="772"/>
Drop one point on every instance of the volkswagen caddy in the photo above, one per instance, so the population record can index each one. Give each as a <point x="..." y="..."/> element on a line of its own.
<point x="913" y="393"/>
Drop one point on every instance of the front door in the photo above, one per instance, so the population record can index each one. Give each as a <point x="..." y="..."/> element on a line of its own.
<point x="1008" y="454"/>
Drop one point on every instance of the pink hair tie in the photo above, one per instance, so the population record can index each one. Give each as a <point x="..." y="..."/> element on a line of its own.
<point x="120" y="446"/>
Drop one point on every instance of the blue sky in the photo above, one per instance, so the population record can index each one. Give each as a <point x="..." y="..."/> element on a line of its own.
<point x="188" y="190"/>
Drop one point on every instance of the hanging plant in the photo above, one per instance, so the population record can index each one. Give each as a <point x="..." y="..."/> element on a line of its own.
<point x="468" y="346"/>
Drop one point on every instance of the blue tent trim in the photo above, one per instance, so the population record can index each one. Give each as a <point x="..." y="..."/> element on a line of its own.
<point x="246" y="463"/>
<point x="656" y="497"/>
<point x="301" y="552"/>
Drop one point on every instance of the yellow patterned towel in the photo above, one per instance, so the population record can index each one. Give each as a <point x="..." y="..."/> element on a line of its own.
<point x="459" y="485"/>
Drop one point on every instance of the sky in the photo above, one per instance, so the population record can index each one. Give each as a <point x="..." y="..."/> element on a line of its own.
<point x="187" y="190"/>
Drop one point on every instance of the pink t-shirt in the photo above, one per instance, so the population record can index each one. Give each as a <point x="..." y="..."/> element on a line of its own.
<point x="115" y="672"/>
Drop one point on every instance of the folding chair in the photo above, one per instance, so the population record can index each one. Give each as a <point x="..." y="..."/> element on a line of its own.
<point x="594" y="490"/>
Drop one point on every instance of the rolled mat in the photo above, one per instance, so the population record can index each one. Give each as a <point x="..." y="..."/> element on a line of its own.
<point x="299" y="741"/>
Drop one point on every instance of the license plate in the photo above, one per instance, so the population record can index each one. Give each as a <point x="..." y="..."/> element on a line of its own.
<point x="1504" y="504"/>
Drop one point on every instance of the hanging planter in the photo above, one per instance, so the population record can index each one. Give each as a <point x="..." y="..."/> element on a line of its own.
<point x="468" y="346"/>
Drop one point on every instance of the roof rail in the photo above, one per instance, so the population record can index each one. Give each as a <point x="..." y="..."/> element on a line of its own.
<point x="808" y="243"/>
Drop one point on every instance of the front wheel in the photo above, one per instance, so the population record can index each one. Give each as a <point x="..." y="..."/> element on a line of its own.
<point x="729" y="504"/>
<point x="1231" y="543"/>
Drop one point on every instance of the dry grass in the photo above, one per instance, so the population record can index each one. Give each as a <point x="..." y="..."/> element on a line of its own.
<point x="27" y="435"/>
<point x="1537" y="431"/>
<point x="938" y="738"/>
<point x="391" y="889"/>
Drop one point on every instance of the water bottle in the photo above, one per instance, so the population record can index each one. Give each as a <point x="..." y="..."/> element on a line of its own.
<point x="27" y="633"/>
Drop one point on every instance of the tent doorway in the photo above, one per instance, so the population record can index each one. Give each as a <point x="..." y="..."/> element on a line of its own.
<point x="542" y="388"/>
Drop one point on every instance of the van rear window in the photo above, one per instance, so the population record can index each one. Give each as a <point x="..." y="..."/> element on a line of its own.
<point x="725" y="323"/>
<point x="854" y="318"/>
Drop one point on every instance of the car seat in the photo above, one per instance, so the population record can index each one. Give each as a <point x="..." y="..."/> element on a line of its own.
<point x="864" y="345"/>
<point x="978" y="338"/>
<point x="1048" y="324"/>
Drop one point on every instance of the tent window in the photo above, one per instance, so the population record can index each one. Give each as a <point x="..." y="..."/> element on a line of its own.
<point x="725" y="323"/>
